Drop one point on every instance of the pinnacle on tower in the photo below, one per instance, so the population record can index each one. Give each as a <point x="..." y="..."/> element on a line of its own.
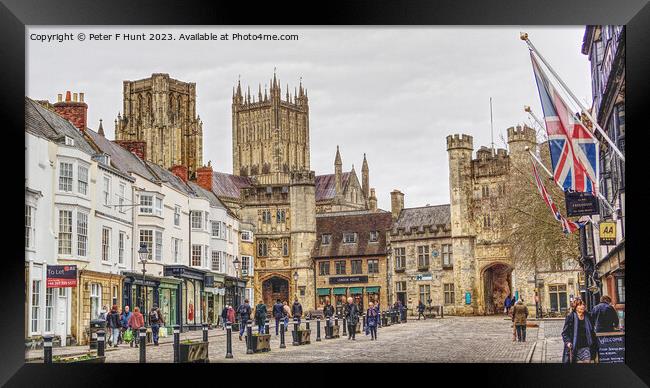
<point x="260" y="93"/>
<point x="337" y="159"/>
<point x="100" y="130"/>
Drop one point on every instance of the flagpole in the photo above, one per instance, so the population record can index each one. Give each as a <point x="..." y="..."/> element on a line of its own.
<point x="600" y="196"/>
<point x="538" y="121"/>
<point x="524" y="37"/>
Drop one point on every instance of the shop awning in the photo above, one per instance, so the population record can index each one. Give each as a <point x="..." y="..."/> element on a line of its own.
<point x="371" y="290"/>
<point x="340" y="291"/>
<point x="356" y="290"/>
<point x="323" y="291"/>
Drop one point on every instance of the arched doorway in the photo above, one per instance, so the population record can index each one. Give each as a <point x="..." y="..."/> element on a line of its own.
<point x="497" y="284"/>
<point x="275" y="288"/>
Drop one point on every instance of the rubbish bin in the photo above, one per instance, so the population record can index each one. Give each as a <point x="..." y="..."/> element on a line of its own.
<point x="95" y="326"/>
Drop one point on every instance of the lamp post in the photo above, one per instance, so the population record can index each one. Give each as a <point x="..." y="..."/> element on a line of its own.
<point x="143" y="252"/>
<point x="235" y="264"/>
<point x="295" y="282"/>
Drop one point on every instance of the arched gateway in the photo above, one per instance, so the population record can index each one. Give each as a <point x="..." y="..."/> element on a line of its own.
<point x="496" y="279"/>
<point x="275" y="288"/>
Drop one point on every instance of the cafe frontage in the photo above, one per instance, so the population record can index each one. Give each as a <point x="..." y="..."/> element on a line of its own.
<point x="191" y="300"/>
<point x="339" y="288"/>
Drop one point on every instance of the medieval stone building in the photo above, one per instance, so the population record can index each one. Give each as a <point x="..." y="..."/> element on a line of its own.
<point x="160" y="122"/>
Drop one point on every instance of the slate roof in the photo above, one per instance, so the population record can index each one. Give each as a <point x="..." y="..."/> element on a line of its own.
<point x="419" y="217"/>
<point x="326" y="185"/>
<point x="168" y="177"/>
<point x="214" y="201"/>
<point x="362" y="223"/>
<point x="42" y="122"/>
<point x="121" y="158"/>
<point x="228" y="185"/>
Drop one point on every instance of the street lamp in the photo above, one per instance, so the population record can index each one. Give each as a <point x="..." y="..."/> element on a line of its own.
<point x="235" y="264"/>
<point x="295" y="281"/>
<point x="143" y="252"/>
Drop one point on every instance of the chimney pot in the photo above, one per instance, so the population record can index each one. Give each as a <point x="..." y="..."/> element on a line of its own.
<point x="67" y="96"/>
<point x="74" y="97"/>
<point x="59" y="97"/>
<point x="81" y="97"/>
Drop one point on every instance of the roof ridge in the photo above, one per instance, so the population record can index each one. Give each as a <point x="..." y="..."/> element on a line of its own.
<point x="424" y="207"/>
<point x="34" y="103"/>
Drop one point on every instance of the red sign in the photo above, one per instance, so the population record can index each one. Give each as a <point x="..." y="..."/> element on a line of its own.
<point x="59" y="276"/>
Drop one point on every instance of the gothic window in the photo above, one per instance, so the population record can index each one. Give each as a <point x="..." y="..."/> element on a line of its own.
<point x="262" y="248"/>
<point x="280" y="216"/>
<point x="285" y="247"/>
<point x="486" y="191"/>
<point x="486" y="221"/>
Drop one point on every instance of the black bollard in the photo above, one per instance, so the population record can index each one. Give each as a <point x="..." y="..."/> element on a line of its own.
<point x="282" y="345"/>
<point x="47" y="349"/>
<point x="101" y="343"/>
<point x="345" y="328"/>
<point x="205" y="332"/>
<point x="267" y="327"/>
<point x="317" y="329"/>
<point x="336" y="321"/>
<point x="328" y="322"/>
<point x="228" y="340"/>
<point x="249" y="337"/>
<point x="295" y="332"/>
<point x="177" y="343"/>
<point x="307" y="323"/>
<point x="143" y="344"/>
<point x="364" y="322"/>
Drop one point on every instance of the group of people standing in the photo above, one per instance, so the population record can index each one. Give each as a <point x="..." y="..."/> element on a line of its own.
<point x="123" y="325"/>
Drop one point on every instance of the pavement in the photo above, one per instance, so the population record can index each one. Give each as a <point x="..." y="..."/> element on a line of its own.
<point x="450" y="339"/>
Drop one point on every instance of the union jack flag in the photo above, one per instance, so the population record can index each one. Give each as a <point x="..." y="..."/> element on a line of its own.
<point x="568" y="226"/>
<point x="574" y="149"/>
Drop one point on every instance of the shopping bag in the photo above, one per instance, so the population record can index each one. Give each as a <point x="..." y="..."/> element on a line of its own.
<point x="128" y="335"/>
<point x="162" y="332"/>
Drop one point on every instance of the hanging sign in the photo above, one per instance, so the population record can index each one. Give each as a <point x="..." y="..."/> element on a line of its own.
<point x="468" y="297"/>
<point x="60" y="276"/>
<point x="607" y="233"/>
<point x="581" y="204"/>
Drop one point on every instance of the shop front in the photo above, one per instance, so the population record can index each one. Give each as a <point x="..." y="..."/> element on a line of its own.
<point x="340" y="296"/>
<point x="140" y="292"/>
<point x="214" y="299"/>
<point x="169" y="302"/>
<point x="235" y="291"/>
<point x="192" y="300"/>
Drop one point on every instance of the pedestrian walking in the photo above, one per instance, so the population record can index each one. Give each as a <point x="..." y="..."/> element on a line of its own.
<point x="352" y="317"/>
<point x="296" y="310"/>
<point x="156" y="321"/>
<point x="278" y="314"/>
<point x="579" y="336"/>
<point x="114" y="324"/>
<point x="421" y="310"/>
<point x="244" y="311"/>
<point x="378" y="310"/>
<point x="286" y="310"/>
<point x="136" y="321"/>
<point x="604" y="316"/>
<point x="519" y="317"/>
<point x="507" y="303"/>
<point x="260" y="317"/>
<point x="102" y="313"/>
<point x="328" y="309"/>
<point x="372" y="321"/>
<point x="224" y="317"/>
<point x="124" y="321"/>
<point x="231" y="314"/>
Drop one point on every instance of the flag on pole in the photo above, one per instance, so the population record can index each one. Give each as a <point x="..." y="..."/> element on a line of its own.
<point x="568" y="226"/>
<point x="574" y="149"/>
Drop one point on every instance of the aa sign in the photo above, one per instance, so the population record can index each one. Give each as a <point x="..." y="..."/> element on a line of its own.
<point x="607" y="233"/>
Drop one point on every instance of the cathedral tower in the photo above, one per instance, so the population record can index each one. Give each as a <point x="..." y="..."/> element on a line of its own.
<point x="161" y="112"/>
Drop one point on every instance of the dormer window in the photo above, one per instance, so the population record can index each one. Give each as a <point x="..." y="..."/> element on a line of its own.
<point x="104" y="159"/>
<point x="349" y="238"/>
<point x="69" y="141"/>
<point x="374" y="236"/>
<point x="326" y="239"/>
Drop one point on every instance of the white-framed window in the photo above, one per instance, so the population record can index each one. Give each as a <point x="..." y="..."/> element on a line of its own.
<point x="82" y="234"/>
<point x="374" y="236"/>
<point x="224" y="230"/>
<point x="95" y="300"/>
<point x="400" y="258"/>
<point x="246" y="266"/>
<point x="176" y="250"/>
<point x="36" y="304"/>
<point x="82" y="179"/>
<point x="106" y="192"/>
<point x="65" y="176"/>
<point x="349" y="237"/>
<point x="30" y="229"/>
<point x="177" y="215"/>
<point x="146" y="204"/>
<point x="449" y="293"/>
<point x="373" y="266"/>
<point x="447" y="255"/>
<point x="122" y="197"/>
<point x="158" y="208"/>
<point x="69" y="141"/>
<point x="216" y="261"/>
<point x="158" y="250"/>
<point x="216" y="228"/>
<point x="120" y="250"/>
<point x="115" y="295"/>
<point x="229" y="233"/>
<point x="49" y="309"/>
<point x="106" y="244"/>
<point x="326" y="239"/>
<point x="65" y="232"/>
<point x="246" y="235"/>
<point x="197" y="219"/>
<point x="197" y="254"/>
<point x="146" y="238"/>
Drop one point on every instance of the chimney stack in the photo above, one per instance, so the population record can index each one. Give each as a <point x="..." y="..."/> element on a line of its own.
<point x="372" y="201"/>
<point x="73" y="110"/>
<point x="396" y="203"/>
<point x="179" y="171"/>
<point x="138" y="148"/>
<point x="204" y="177"/>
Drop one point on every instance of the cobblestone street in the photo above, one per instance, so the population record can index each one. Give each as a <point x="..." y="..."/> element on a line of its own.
<point x="452" y="339"/>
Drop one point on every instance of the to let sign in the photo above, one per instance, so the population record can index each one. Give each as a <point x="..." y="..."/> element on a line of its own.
<point x="607" y="233"/>
<point x="581" y="204"/>
<point x="60" y="276"/>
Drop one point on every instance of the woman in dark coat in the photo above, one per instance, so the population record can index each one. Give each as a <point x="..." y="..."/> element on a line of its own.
<point x="352" y="317"/>
<point x="580" y="341"/>
<point x="372" y="321"/>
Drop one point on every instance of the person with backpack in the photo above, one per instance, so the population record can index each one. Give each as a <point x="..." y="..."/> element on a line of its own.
<point x="260" y="317"/>
<point x="372" y="321"/>
<point x="224" y="317"/>
<point x="278" y="312"/>
<point x="296" y="310"/>
<point x="519" y="317"/>
<point x="136" y="321"/>
<point x="113" y="323"/>
<point x="124" y="321"/>
<point x="244" y="311"/>
<point x="421" y="311"/>
<point x="155" y="320"/>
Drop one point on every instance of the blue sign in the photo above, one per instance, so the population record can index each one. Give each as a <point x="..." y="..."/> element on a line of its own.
<point x="516" y="295"/>
<point x="468" y="297"/>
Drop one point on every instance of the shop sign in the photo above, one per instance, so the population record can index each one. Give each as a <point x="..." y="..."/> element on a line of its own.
<point x="581" y="204"/>
<point x="607" y="233"/>
<point x="611" y="348"/>
<point x="60" y="276"/>
<point x="348" y="279"/>
<point x="208" y="281"/>
<point x="424" y="276"/>
<point x="183" y="272"/>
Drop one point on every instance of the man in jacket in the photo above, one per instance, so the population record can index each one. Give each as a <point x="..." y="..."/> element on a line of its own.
<point x="519" y="316"/>
<point x="421" y="311"/>
<point x="224" y="317"/>
<point x="278" y="310"/>
<point x="352" y="318"/>
<point x="113" y="323"/>
<point x="604" y="316"/>
<point x="156" y="320"/>
<point x="124" y="319"/>
<point x="296" y="310"/>
<point x="244" y="311"/>
<point x="260" y="317"/>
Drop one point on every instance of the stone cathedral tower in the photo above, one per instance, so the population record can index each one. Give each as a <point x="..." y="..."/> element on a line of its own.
<point x="160" y="112"/>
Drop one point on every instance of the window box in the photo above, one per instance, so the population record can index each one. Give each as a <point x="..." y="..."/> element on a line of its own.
<point x="193" y="351"/>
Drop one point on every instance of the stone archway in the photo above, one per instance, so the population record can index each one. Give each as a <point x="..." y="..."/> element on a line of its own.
<point x="274" y="288"/>
<point x="496" y="279"/>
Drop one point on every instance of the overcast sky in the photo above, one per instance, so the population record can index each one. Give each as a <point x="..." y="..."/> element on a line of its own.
<point x="393" y="93"/>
